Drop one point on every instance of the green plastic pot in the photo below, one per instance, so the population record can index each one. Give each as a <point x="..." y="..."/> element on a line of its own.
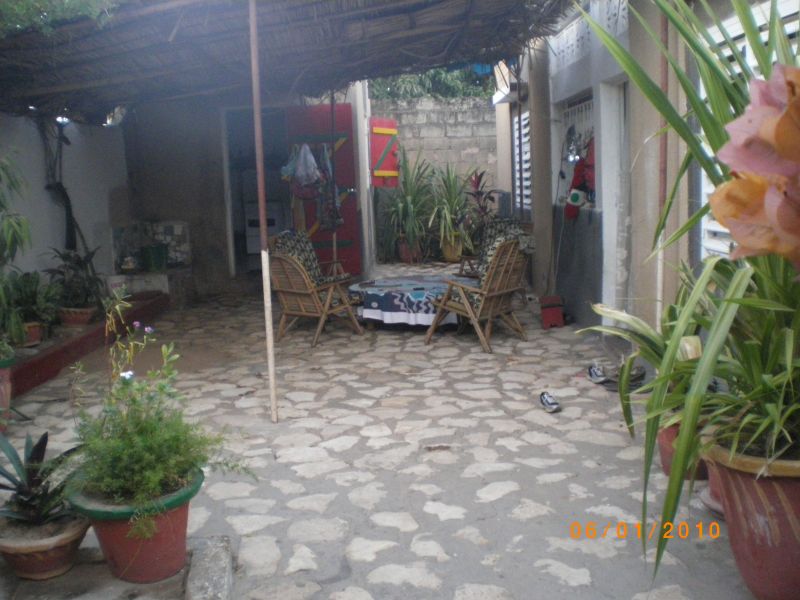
<point x="154" y="257"/>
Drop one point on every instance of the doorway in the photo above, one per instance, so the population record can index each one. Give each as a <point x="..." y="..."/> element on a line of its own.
<point x="286" y="130"/>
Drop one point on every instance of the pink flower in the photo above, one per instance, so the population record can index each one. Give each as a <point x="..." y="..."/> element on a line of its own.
<point x="136" y="324"/>
<point x="761" y="203"/>
<point x="766" y="139"/>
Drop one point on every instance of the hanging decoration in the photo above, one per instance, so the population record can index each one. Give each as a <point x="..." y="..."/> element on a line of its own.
<point x="582" y="187"/>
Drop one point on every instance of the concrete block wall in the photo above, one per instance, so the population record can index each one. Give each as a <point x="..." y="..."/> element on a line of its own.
<point x="458" y="131"/>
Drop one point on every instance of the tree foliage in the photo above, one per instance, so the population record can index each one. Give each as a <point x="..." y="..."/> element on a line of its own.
<point x="439" y="83"/>
<point x="19" y="15"/>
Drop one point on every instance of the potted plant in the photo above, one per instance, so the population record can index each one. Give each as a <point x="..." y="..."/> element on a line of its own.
<point x="39" y="534"/>
<point x="82" y="290"/>
<point x="450" y="212"/>
<point x="410" y="207"/>
<point x="749" y="309"/>
<point x="141" y="461"/>
<point x="7" y="357"/>
<point x="36" y="302"/>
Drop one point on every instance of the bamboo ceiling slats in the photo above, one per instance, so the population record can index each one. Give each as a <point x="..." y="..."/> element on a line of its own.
<point x="151" y="49"/>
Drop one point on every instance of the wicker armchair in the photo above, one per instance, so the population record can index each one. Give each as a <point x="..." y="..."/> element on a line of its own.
<point x="502" y="278"/>
<point x="300" y="296"/>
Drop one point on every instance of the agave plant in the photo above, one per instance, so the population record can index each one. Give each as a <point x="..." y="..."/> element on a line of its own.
<point x="37" y="497"/>
<point x="748" y="311"/>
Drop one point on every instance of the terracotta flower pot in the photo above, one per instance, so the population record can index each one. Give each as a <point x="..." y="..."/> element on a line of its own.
<point x="33" y="334"/>
<point x="136" y="559"/>
<point x="407" y="253"/>
<point x="76" y="317"/>
<point x="47" y="557"/>
<point x="711" y="496"/>
<point x="763" y="516"/>
<point x="666" y="448"/>
<point x="452" y="250"/>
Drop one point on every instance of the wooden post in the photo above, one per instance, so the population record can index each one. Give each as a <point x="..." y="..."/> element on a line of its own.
<point x="255" y="77"/>
<point x="336" y="269"/>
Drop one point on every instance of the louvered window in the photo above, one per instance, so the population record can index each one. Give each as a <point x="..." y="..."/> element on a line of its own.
<point x="522" y="162"/>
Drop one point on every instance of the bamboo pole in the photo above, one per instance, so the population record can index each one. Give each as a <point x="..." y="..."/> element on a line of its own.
<point x="255" y="76"/>
<point x="336" y="269"/>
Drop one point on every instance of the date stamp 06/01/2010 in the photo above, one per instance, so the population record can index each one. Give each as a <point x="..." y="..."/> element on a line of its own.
<point x="623" y="530"/>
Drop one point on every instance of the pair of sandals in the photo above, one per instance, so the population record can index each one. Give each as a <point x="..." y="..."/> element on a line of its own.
<point x="609" y="377"/>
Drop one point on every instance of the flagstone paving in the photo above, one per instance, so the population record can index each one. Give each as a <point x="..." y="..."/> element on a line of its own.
<point x="400" y="470"/>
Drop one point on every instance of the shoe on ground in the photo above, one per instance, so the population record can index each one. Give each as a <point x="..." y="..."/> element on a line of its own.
<point x="549" y="403"/>
<point x="596" y="374"/>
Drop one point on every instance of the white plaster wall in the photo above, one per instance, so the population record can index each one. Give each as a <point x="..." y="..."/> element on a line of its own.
<point x="94" y="170"/>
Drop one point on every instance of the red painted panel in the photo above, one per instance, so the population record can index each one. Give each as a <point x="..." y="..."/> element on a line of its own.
<point x="312" y="125"/>
<point x="383" y="151"/>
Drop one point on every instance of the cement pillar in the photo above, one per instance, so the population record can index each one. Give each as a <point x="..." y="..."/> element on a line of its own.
<point x="541" y="165"/>
<point x="653" y="282"/>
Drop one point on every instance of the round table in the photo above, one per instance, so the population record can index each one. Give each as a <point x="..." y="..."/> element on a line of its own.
<point x="406" y="299"/>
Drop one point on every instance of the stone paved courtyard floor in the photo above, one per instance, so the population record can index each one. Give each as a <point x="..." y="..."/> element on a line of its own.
<point x="400" y="470"/>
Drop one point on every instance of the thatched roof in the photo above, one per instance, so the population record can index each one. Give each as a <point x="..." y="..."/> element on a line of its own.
<point x="153" y="49"/>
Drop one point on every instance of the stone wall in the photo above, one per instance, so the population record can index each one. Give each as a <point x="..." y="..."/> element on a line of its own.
<point x="459" y="131"/>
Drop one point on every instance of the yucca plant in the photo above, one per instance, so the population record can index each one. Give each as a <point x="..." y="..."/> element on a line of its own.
<point x="410" y="209"/>
<point x="450" y="207"/>
<point x="748" y="311"/>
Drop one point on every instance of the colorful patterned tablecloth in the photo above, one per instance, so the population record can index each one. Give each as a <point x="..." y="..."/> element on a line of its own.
<point x="403" y="299"/>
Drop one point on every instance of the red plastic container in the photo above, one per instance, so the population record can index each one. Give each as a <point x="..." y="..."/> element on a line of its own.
<point x="552" y="311"/>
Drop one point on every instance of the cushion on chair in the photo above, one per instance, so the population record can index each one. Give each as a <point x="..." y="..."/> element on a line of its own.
<point x="496" y="228"/>
<point x="298" y="245"/>
<point x="492" y="250"/>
